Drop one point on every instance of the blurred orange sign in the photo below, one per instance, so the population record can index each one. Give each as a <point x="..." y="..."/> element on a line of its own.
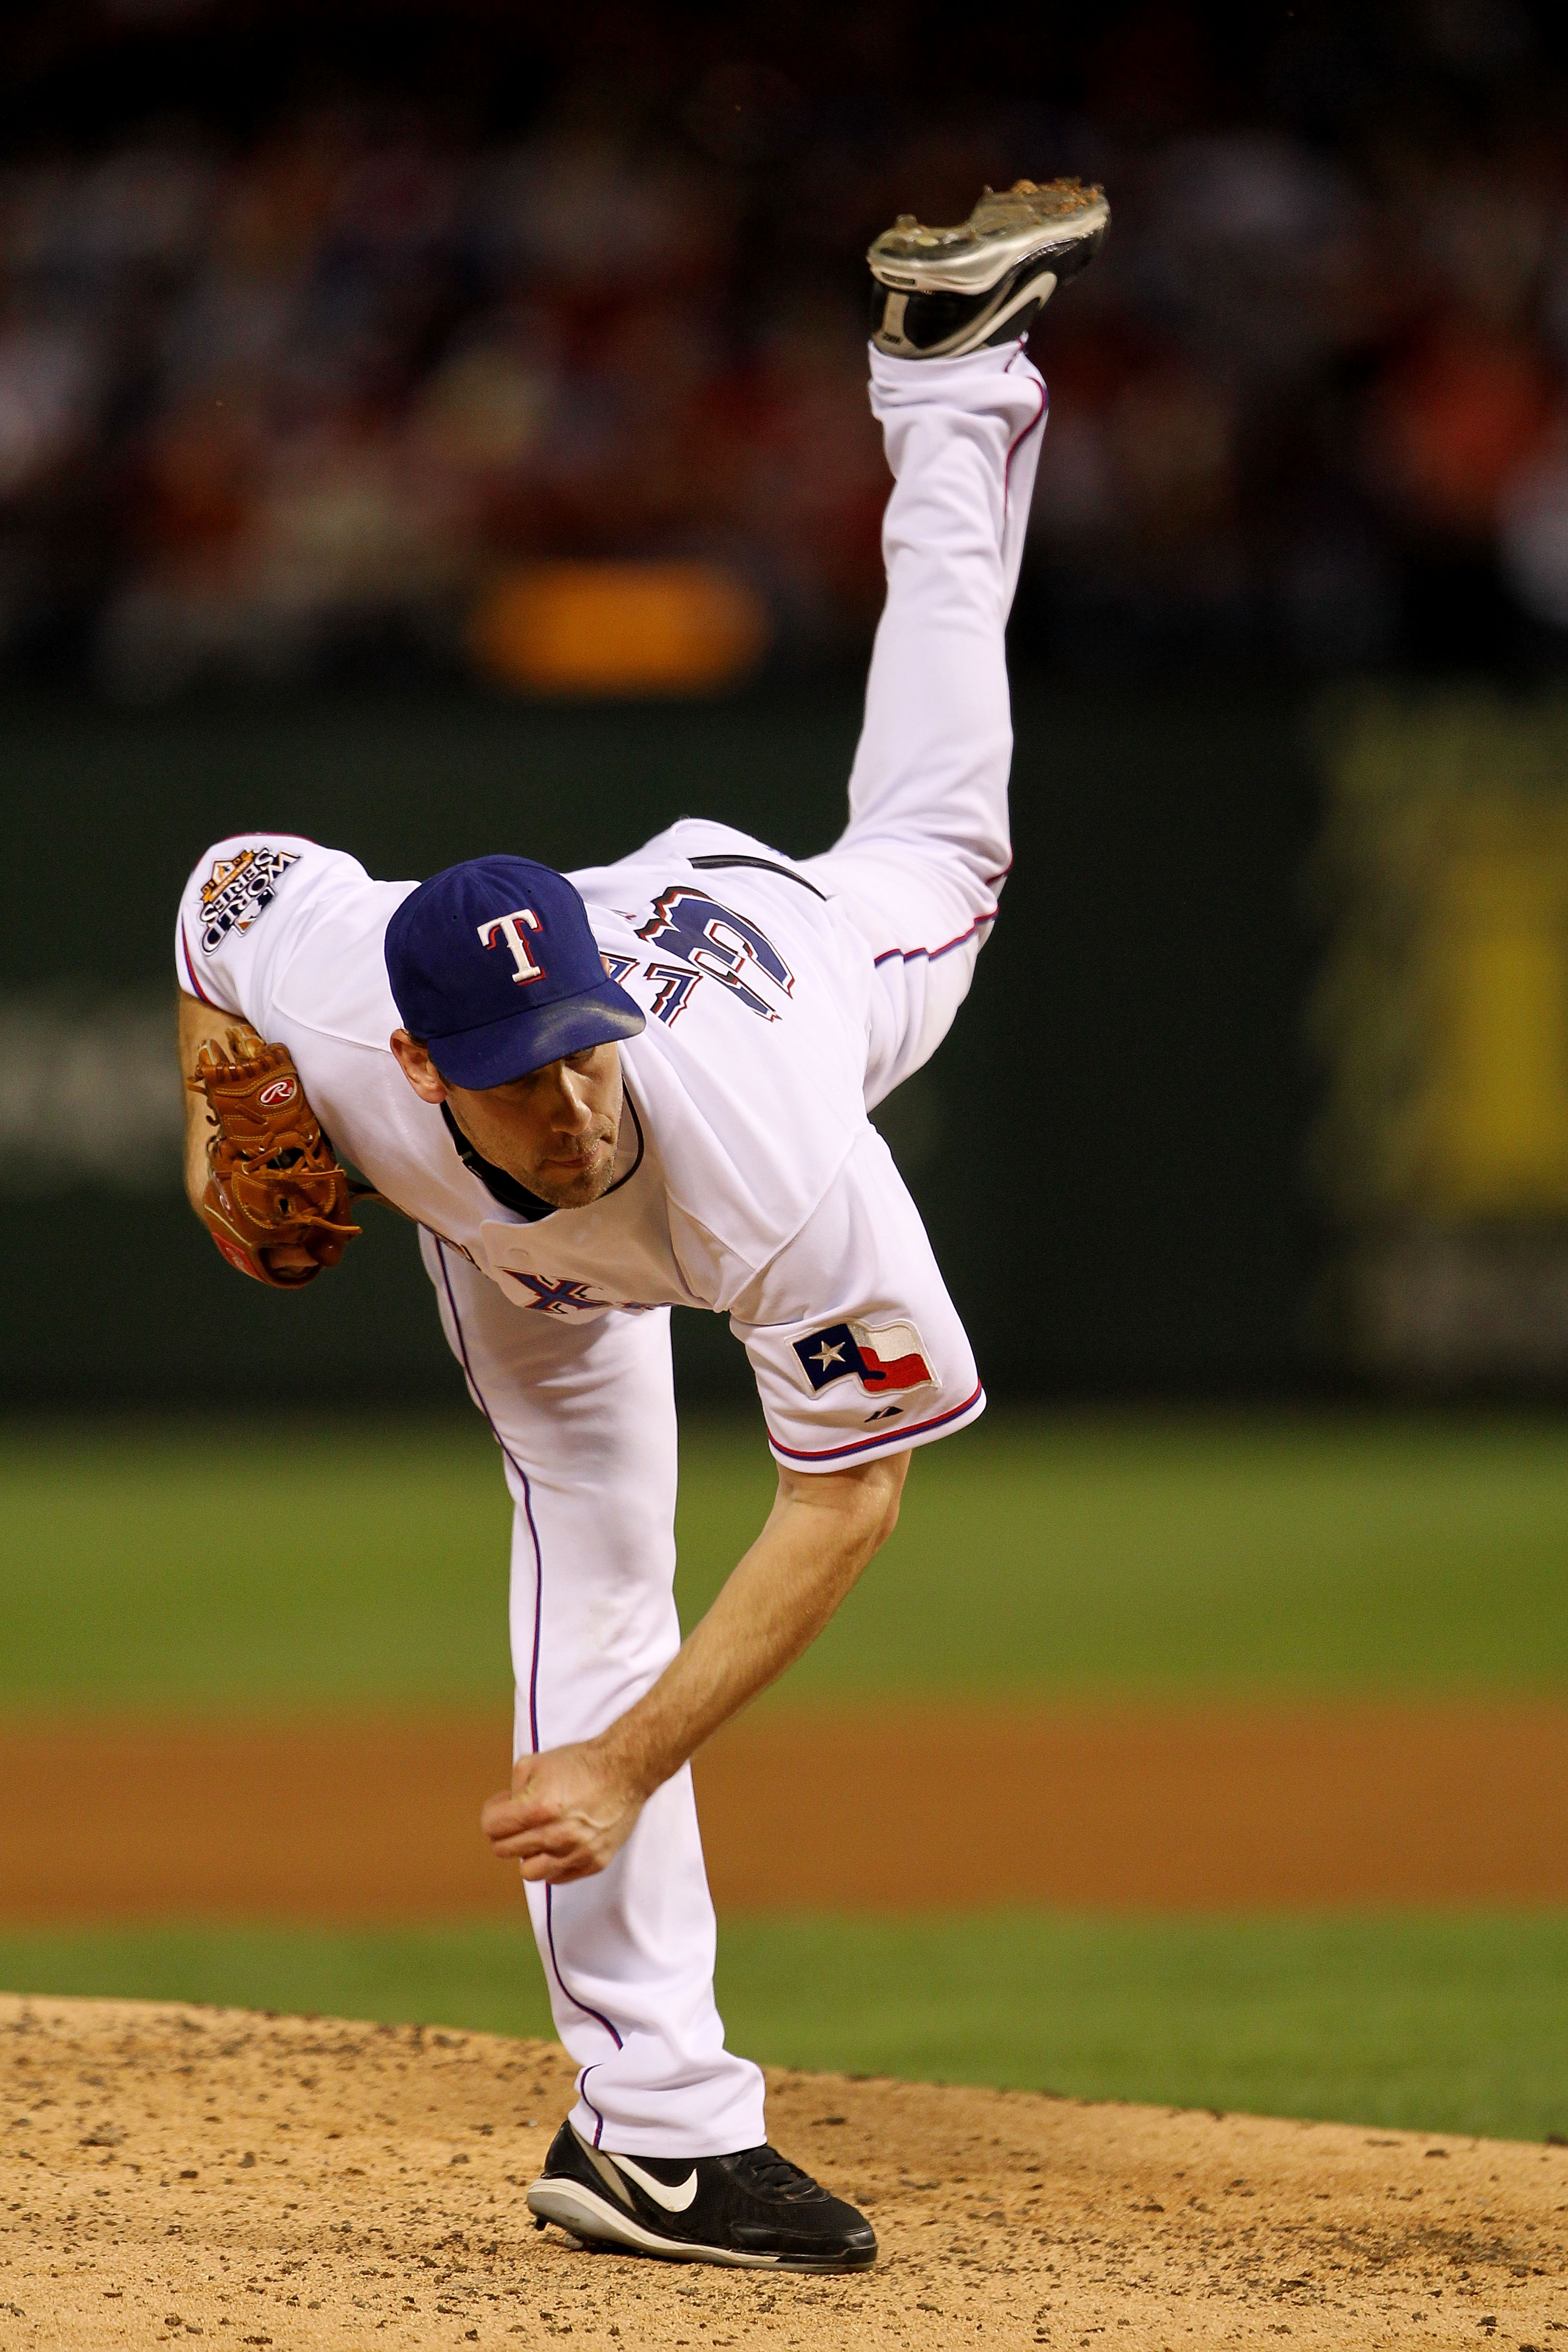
<point x="618" y="628"/>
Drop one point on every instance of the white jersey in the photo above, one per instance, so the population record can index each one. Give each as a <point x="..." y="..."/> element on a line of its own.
<point x="748" y="1179"/>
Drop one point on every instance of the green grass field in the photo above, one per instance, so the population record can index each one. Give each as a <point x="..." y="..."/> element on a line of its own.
<point x="1430" y="2025"/>
<point x="143" y="1569"/>
<point x="140" y="1570"/>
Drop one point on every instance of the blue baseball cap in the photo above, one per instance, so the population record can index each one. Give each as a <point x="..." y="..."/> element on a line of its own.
<point x="494" y="967"/>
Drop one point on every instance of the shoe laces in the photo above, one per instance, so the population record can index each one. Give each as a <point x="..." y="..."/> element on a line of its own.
<point x="764" y="2168"/>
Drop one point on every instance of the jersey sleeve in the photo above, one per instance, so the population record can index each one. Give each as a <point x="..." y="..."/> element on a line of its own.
<point x="855" y="1344"/>
<point x="240" y="911"/>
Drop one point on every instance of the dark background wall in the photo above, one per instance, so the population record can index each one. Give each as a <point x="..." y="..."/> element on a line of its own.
<point x="1108" y="1149"/>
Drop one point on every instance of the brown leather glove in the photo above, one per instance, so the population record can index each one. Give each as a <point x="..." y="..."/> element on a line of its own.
<point x="277" y="1201"/>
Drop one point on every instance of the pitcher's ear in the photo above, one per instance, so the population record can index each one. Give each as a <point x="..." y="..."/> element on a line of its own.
<point x="413" y="1058"/>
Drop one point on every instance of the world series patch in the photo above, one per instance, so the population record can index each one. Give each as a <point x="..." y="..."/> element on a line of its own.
<point x="238" y="889"/>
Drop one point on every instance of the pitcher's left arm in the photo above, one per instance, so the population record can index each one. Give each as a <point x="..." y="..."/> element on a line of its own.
<point x="260" y="1173"/>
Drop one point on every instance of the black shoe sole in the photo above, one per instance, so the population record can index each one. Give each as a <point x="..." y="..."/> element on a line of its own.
<point x="608" y="2228"/>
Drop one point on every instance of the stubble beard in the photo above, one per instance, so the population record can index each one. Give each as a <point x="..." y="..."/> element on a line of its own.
<point x="582" y="1190"/>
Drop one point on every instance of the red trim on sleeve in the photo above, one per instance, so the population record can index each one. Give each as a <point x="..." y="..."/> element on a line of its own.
<point x="884" y="1437"/>
<point x="890" y="955"/>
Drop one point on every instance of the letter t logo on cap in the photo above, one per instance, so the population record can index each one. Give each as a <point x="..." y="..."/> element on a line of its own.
<point x="509" y="928"/>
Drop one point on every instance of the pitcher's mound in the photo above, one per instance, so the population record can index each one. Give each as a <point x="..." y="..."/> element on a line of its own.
<point x="168" y="2172"/>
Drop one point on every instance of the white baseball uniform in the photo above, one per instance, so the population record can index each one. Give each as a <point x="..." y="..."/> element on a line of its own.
<point x="784" y="999"/>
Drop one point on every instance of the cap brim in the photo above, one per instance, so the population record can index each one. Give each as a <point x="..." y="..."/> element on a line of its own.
<point x="499" y="1051"/>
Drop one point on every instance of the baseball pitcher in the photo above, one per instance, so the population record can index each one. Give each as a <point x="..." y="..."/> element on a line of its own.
<point x="606" y="1094"/>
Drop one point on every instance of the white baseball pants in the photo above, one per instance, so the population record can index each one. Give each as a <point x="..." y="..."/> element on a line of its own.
<point x="584" y="1413"/>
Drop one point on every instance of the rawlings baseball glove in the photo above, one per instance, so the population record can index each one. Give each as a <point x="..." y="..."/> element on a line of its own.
<point x="277" y="1201"/>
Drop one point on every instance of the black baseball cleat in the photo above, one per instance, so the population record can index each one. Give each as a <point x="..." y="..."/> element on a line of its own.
<point x="941" y="292"/>
<point x="756" y="2211"/>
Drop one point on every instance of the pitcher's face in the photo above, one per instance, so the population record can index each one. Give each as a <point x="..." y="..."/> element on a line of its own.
<point x="554" y="1129"/>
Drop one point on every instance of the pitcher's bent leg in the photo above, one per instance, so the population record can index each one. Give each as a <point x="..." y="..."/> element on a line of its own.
<point x="584" y="1413"/>
<point x="927" y="847"/>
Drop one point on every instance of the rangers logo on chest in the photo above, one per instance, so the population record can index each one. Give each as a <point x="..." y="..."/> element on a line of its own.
<point x="557" y="1297"/>
<point x="540" y="1294"/>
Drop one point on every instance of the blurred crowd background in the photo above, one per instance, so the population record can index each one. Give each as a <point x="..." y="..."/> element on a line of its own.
<point x="319" y="326"/>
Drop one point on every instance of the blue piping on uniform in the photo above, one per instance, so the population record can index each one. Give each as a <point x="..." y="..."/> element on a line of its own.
<point x="597" y="2015"/>
<point x="587" y="2102"/>
<point x="889" y="1438"/>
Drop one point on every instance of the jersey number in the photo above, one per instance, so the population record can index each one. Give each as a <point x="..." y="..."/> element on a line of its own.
<point x="718" y="944"/>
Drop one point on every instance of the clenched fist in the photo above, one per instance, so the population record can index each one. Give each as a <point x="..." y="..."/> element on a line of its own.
<point x="567" y="1813"/>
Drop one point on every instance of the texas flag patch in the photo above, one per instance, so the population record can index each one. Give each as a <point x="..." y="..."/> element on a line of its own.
<point x="882" y="1362"/>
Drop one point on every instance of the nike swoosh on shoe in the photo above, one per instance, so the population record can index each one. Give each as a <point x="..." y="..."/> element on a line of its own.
<point x="674" y="2200"/>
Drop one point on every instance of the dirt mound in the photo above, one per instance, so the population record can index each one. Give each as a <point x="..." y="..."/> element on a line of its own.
<point x="168" y="2172"/>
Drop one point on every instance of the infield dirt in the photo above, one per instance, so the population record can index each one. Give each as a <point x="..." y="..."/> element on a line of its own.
<point x="1193" y="1807"/>
<point x="300" y="2183"/>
